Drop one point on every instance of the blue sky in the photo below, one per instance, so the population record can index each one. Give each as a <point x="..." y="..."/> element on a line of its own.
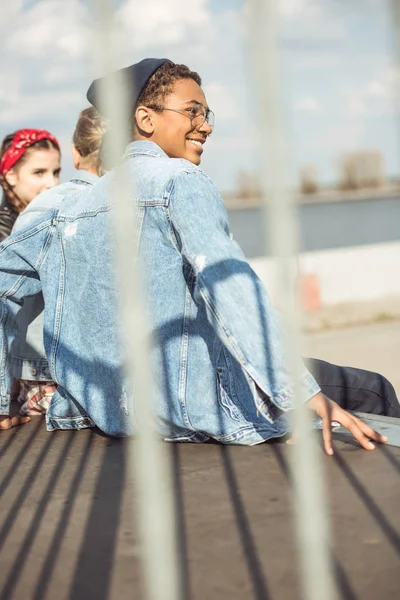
<point x="338" y="75"/>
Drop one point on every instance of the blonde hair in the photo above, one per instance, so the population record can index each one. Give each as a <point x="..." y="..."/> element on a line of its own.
<point x="87" y="139"/>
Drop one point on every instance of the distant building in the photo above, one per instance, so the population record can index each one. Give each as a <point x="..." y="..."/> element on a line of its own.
<point x="362" y="169"/>
<point x="308" y="180"/>
<point x="247" y="193"/>
<point x="247" y="185"/>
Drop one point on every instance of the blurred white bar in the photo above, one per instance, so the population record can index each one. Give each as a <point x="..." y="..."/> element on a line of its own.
<point x="309" y="492"/>
<point x="394" y="7"/>
<point x="150" y="457"/>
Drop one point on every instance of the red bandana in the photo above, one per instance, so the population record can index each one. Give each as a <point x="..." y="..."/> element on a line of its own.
<point x="23" y="139"/>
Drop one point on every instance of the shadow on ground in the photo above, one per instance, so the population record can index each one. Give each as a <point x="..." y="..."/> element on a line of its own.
<point x="66" y="530"/>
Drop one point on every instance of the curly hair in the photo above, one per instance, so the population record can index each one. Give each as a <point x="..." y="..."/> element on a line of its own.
<point x="161" y="83"/>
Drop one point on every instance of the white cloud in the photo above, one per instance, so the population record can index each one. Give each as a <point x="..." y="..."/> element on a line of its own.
<point x="340" y="137"/>
<point x="48" y="27"/>
<point x="160" y="22"/>
<point x="376" y="98"/>
<point x="221" y="101"/>
<point x="61" y="34"/>
<point x="50" y="48"/>
<point x="308" y="104"/>
<point x="9" y="86"/>
<point x="59" y="74"/>
<point x="44" y="43"/>
<point x="292" y="9"/>
<point x="310" y="21"/>
<point x="40" y="104"/>
<point x="377" y="88"/>
<point x="303" y="61"/>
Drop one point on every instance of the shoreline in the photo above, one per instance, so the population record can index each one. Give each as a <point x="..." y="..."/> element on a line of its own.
<point x="236" y="202"/>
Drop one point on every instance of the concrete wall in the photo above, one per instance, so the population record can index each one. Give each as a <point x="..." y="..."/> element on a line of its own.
<point x="352" y="274"/>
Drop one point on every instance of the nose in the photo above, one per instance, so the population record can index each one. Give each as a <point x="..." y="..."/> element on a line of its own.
<point x="51" y="181"/>
<point x="205" y="128"/>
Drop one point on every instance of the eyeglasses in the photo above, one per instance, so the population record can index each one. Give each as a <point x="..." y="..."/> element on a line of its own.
<point x="198" y="114"/>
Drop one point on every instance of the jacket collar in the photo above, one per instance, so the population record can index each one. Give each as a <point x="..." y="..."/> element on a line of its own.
<point x="85" y="177"/>
<point x="144" y="147"/>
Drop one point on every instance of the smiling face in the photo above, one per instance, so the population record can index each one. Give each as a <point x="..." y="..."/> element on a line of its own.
<point x="39" y="171"/>
<point x="173" y="131"/>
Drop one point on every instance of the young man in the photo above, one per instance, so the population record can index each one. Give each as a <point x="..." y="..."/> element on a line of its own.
<point x="218" y="350"/>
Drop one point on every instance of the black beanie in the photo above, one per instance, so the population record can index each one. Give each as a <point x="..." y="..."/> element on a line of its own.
<point x="134" y="79"/>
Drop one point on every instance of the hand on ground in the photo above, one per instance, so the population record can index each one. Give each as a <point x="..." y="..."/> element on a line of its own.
<point x="329" y="411"/>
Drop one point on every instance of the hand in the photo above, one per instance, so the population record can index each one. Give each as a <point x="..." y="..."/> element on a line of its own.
<point x="10" y="422"/>
<point x="329" y="411"/>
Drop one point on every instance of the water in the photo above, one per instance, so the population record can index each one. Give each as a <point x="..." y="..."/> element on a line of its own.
<point x="326" y="225"/>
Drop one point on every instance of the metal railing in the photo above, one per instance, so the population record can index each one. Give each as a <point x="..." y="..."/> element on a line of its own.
<point x="149" y="456"/>
<point x="282" y="228"/>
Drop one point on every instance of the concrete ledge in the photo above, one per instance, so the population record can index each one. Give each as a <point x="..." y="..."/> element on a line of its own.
<point x="357" y="274"/>
<point x="348" y="314"/>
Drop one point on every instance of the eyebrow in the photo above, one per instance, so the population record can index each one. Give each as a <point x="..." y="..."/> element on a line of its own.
<point x="197" y="102"/>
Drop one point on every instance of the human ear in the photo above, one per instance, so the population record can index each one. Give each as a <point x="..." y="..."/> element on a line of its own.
<point x="11" y="178"/>
<point x="76" y="156"/>
<point x="144" y="120"/>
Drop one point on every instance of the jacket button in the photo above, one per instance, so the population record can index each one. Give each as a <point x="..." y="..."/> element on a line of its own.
<point x="33" y="371"/>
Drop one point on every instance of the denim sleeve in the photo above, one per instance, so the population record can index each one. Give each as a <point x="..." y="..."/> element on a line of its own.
<point x="235" y="299"/>
<point x="30" y="215"/>
<point x="21" y="256"/>
<point x="25" y="219"/>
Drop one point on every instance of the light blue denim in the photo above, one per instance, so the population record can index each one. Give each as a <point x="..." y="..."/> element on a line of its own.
<point x="29" y="359"/>
<point x="218" y="350"/>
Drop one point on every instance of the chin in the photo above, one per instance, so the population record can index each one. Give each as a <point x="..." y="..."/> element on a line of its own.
<point x="195" y="159"/>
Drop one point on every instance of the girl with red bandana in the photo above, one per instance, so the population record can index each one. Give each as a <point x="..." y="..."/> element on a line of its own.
<point x="29" y="164"/>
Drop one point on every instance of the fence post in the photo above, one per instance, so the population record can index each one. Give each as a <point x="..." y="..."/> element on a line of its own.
<point x="149" y="457"/>
<point x="309" y="493"/>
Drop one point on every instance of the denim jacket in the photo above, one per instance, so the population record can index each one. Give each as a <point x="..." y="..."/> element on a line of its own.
<point x="53" y="197"/>
<point x="29" y="358"/>
<point x="217" y="345"/>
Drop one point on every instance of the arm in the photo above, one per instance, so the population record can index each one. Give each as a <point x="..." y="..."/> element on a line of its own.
<point x="32" y="214"/>
<point x="236" y="302"/>
<point x="238" y="306"/>
<point x="21" y="257"/>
